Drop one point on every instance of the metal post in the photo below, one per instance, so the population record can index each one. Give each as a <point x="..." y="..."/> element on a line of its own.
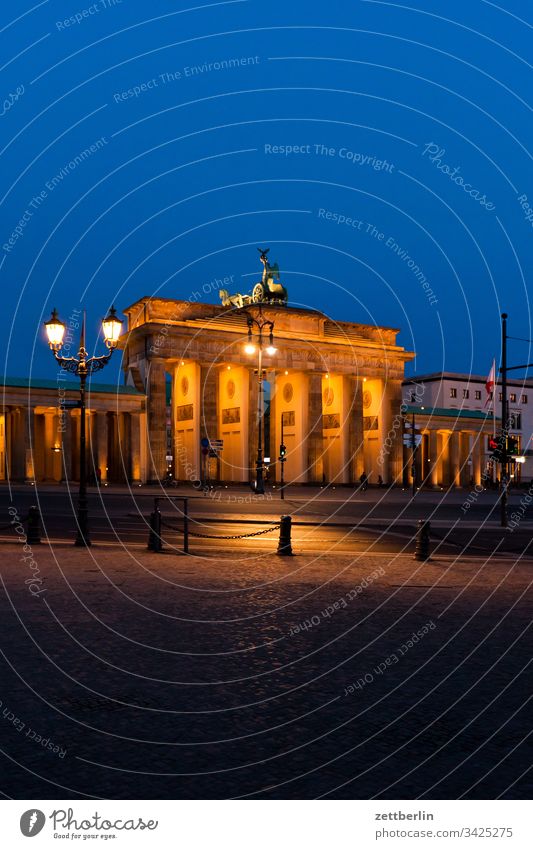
<point x="82" y="536"/>
<point x="505" y="426"/>
<point x="82" y="366"/>
<point x="282" y="461"/>
<point x="154" y="537"/>
<point x="284" y="544"/>
<point x="34" y="526"/>
<point x="259" y="486"/>
<point x="185" y="526"/>
<point x="422" y="540"/>
<point x="413" y="456"/>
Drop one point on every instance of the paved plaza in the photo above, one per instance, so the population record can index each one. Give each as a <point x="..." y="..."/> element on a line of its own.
<point x="127" y="674"/>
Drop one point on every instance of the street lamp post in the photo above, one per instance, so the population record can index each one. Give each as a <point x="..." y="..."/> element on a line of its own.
<point x="262" y="324"/>
<point x="412" y="442"/>
<point x="413" y="453"/>
<point x="505" y="426"/>
<point x="83" y="366"/>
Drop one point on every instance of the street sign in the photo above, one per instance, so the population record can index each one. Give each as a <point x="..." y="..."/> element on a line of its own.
<point x="216" y="444"/>
<point x="408" y="440"/>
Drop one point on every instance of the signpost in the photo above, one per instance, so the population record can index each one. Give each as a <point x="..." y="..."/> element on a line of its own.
<point x="412" y="440"/>
<point x="282" y="458"/>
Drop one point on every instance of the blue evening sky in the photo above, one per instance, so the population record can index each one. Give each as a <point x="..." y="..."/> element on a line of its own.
<point x="381" y="150"/>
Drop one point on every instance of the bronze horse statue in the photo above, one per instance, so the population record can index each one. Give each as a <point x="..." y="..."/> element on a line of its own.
<point x="269" y="290"/>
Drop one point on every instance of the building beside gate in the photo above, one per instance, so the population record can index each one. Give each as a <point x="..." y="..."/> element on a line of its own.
<point x="335" y="387"/>
<point x="39" y="431"/>
<point x="456" y="421"/>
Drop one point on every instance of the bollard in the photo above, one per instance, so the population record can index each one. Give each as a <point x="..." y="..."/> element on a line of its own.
<point x="284" y="545"/>
<point x="34" y="526"/>
<point x="154" y="537"/>
<point x="422" y="540"/>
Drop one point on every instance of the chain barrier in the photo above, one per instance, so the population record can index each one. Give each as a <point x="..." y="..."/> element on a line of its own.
<point x="212" y="536"/>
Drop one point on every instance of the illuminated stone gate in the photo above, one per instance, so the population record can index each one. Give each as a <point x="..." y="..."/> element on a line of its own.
<point x="337" y="386"/>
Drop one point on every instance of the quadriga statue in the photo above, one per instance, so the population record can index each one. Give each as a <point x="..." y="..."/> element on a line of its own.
<point x="268" y="291"/>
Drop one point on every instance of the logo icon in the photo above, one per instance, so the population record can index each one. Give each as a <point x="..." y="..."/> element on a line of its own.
<point x="32" y="822"/>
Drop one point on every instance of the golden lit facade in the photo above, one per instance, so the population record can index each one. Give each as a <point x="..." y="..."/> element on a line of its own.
<point x="333" y="387"/>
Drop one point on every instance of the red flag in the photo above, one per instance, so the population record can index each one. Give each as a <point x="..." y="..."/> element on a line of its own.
<point x="489" y="383"/>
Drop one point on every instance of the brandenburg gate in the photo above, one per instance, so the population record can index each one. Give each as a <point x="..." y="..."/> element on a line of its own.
<point x="333" y="386"/>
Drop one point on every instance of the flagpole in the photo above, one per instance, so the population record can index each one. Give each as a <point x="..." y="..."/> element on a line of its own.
<point x="494" y="400"/>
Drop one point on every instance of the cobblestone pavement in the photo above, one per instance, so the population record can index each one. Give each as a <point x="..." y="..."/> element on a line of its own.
<point x="134" y="675"/>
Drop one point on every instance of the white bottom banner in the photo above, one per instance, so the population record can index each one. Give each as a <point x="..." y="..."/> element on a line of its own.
<point x="267" y="824"/>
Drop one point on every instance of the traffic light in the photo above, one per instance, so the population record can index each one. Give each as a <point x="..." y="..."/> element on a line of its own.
<point x="282" y="451"/>
<point x="512" y="445"/>
<point x="495" y="448"/>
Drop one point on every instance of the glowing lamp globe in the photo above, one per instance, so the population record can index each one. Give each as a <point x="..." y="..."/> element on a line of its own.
<point x="112" y="326"/>
<point x="271" y="350"/>
<point x="55" y="330"/>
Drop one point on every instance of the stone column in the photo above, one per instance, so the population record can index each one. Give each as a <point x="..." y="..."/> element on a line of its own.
<point x="209" y="375"/>
<point x="252" y="424"/>
<point x="391" y="428"/>
<point x="273" y="446"/>
<point x="433" y="459"/>
<point x="17" y="469"/>
<point x="157" y="419"/>
<point x="66" y="445"/>
<point x="455" y="459"/>
<point x="315" y="462"/>
<point x="29" y="443"/>
<point x="356" y="452"/>
<point x="443" y="448"/>
<point x="477" y="441"/>
<point x="208" y="402"/>
<point x="466" y="460"/>
<point x="124" y="447"/>
<point x="48" y="444"/>
<point x="99" y="444"/>
<point x="135" y="447"/>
